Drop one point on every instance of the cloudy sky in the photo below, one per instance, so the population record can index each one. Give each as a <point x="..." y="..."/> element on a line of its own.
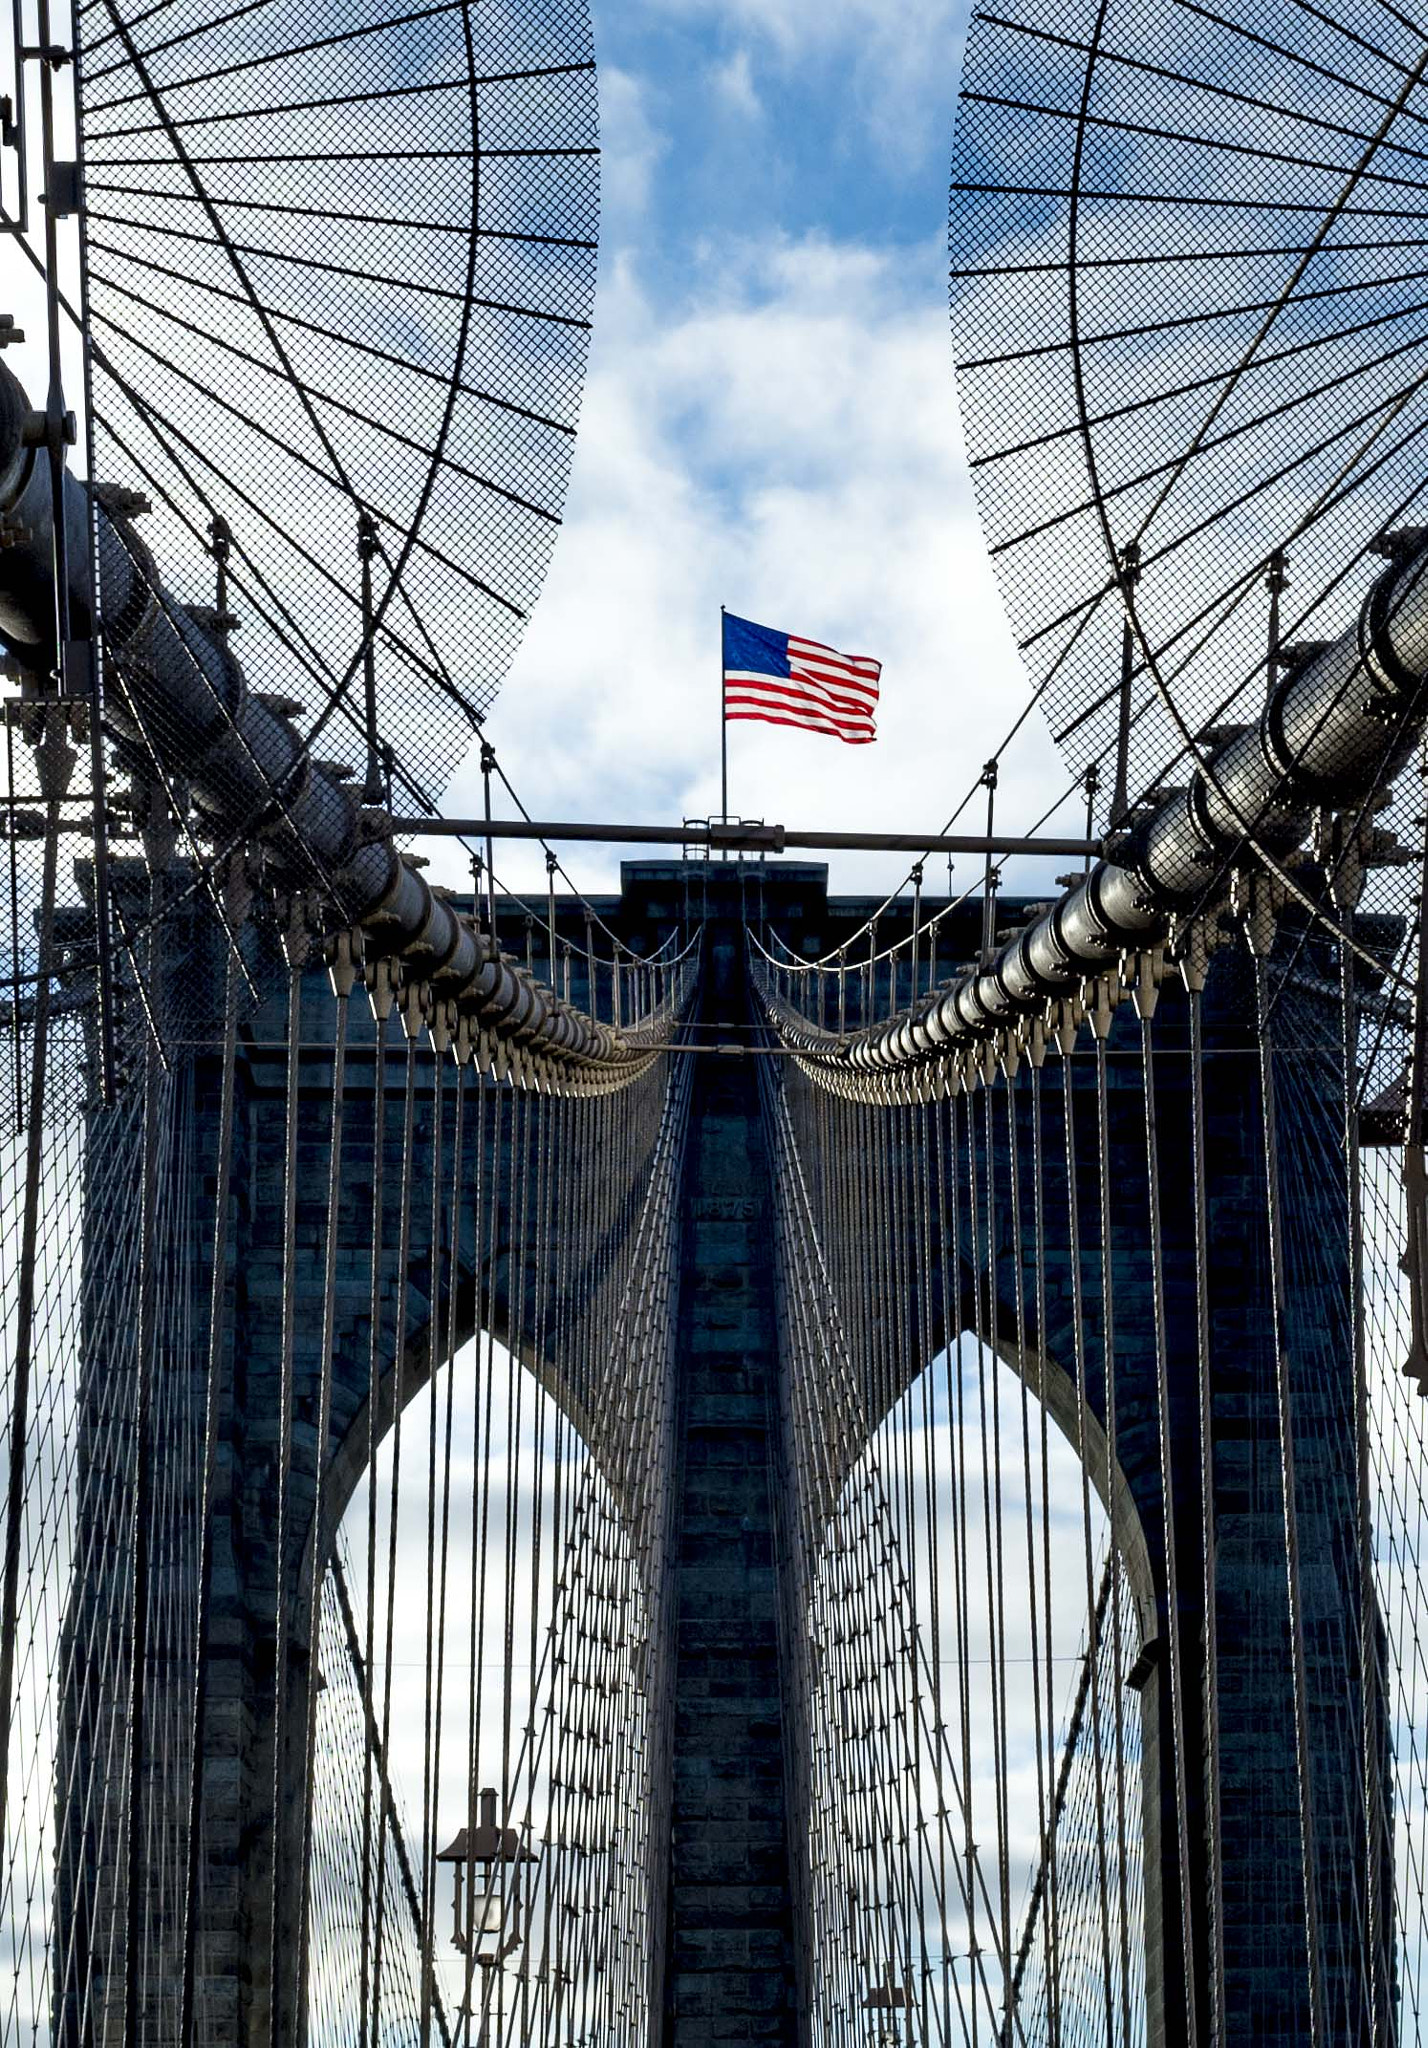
<point x="770" y="423"/>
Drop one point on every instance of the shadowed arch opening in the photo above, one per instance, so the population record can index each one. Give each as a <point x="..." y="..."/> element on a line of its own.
<point x="491" y="1525"/>
<point x="977" y="1709"/>
<point x="486" y="1630"/>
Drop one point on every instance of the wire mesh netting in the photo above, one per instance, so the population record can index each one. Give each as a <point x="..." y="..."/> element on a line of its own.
<point x="339" y="276"/>
<point x="1187" y="295"/>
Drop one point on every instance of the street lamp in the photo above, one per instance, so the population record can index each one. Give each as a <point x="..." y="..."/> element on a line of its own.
<point x="889" y="1999"/>
<point x="486" y="1890"/>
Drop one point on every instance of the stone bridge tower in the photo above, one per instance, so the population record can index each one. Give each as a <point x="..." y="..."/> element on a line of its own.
<point x="728" y="1970"/>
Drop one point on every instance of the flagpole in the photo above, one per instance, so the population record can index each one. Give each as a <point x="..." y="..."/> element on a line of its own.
<point x="723" y="730"/>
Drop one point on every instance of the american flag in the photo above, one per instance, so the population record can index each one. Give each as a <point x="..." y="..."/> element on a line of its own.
<point x="780" y="679"/>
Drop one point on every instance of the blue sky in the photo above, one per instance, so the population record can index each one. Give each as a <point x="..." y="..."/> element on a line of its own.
<point x="770" y="422"/>
<point x="783" y="119"/>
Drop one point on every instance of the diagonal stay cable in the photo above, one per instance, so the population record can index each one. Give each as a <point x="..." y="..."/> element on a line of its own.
<point x="1286" y="294"/>
<point x="315" y="47"/>
<point x="307" y="462"/>
<point x="1202" y="317"/>
<point x="351" y="99"/>
<point x="366" y="348"/>
<point x="348" y="272"/>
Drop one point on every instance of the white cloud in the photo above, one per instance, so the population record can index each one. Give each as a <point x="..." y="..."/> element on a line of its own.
<point x="785" y="443"/>
<point x="900" y="63"/>
<point x="734" y="83"/>
<point x="631" y="147"/>
<point x="799" y="27"/>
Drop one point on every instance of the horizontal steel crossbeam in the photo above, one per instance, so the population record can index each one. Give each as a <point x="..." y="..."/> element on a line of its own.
<point x="736" y="836"/>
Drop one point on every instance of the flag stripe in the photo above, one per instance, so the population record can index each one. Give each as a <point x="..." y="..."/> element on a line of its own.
<point x="814" y="650"/>
<point x="766" y="716"/>
<point x="842" y="677"/>
<point x="802" y="688"/>
<point x="775" y="701"/>
<point x="838" y="677"/>
<point x="802" y="640"/>
<point x="815" y="665"/>
<point x="752" y="706"/>
<point x="838" y="732"/>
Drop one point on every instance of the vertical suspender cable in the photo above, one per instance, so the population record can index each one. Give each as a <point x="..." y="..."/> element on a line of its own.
<point x="1293" y="1584"/>
<point x="24" y="1313"/>
<point x="374" y="1405"/>
<point x="1053" y="1887"/>
<point x="1083" y="1451"/>
<point x="497" y="1182"/>
<point x="449" y="1348"/>
<point x="398" y="1380"/>
<point x="992" y="1500"/>
<point x="406" y="1876"/>
<point x="276" y="1949"/>
<point x="989" y="883"/>
<point x="17" y="1020"/>
<point x="1370" y="1698"/>
<point x="962" y="1541"/>
<point x="546" y="1107"/>
<point x="1193" y="975"/>
<point x="1014" y="1193"/>
<point x="213" y="1406"/>
<point x="934" y="1851"/>
<point x="435" y="1551"/>
<point x="915" y="948"/>
<point x="484" y="1180"/>
<point x="961" y="1104"/>
<point x="343" y="978"/>
<point x="1146" y="1003"/>
<point x="948" y="1299"/>
<point x="1101" y="1022"/>
<point x="139" y="1538"/>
